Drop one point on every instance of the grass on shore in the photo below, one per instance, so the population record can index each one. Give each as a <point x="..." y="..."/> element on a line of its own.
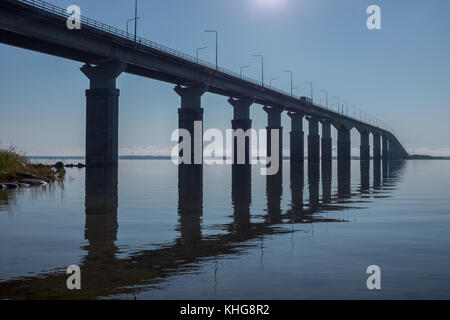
<point x="15" y="166"/>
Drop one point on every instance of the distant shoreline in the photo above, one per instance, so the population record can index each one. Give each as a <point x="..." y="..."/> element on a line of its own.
<point x="413" y="157"/>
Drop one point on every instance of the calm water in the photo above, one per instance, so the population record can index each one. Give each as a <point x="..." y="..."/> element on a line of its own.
<point x="150" y="232"/>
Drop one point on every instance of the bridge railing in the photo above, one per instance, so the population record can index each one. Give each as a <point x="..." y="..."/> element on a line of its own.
<point x="48" y="7"/>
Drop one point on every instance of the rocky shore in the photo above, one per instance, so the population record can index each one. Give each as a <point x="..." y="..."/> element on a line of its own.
<point x="20" y="180"/>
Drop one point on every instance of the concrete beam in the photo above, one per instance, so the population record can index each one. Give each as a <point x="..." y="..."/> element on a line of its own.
<point x="376" y="147"/>
<point x="189" y="113"/>
<point x="326" y="141"/>
<point x="241" y="121"/>
<point x="297" y="137"/>
<point x="274" y="122"/>
<point x="364" y="149"/>
<point x="313" y="140"/>
<point x="344" y="144"/>
<point x="385" y="148"/>
<point x="102" y="113"/>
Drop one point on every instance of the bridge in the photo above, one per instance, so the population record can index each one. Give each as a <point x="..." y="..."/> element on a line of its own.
<point x="106" y="52"/>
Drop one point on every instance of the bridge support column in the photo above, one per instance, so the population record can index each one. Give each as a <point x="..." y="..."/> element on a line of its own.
<point x="326" y="141"/>
<point x="393" y="151"/>
<point x="190" y="115"/>
<point x="385" y="150"/>
<point x="241" y="121"/>
<point x="102" y="114"/>
<point x="344" y="144"/>
<point x="274" y="123"/>
<point x="376" y="147"/>
<point x="297" y="137"/>
<point x="313" y="140"/>
<point x="364" y="149"/>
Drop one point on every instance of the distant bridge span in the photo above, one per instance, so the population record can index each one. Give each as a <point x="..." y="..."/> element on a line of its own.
<point x="107" y="52"/>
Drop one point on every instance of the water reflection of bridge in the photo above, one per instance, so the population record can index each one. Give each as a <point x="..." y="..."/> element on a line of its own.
<point x="103" y="273"/>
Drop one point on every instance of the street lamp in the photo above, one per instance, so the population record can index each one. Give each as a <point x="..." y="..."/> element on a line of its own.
<point x="354" y="111"/>
<point x="337" y="102"/>
<point x="262" y="66"/>
<point x="241" y="68"/>
<point x="270" y="81"/>
<point x="346" y="107"/>
<point x="129" y="20"/>
<point x="291" y="80"/>
<point x="310" y="83"/>
<point x="198" y="49"/>
<point x="135" y="20"/>
<point x="217" y="34"/>
<point x="326" y="97"/>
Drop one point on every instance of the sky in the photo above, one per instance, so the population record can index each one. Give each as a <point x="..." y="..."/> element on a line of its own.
<point x="400" y="74"/>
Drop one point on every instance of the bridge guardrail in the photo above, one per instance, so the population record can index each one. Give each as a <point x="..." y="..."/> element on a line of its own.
<point x="43" y="5"/>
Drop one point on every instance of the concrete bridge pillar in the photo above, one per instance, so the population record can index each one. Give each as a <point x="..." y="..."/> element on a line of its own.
<point x="326" y="141"/>
<point x="102" y="113"/>
<point x="313" y="140"/>
<point x="297" y="137"/>
<point x="364" y="149"/>
<point x="344" y="144"/>
<point x="190" y="112"/>
<point x="274" y="123"/>
<point x="385" y="148"/>
<point x="241" y="121"/>
<point x="393" y="151"/>
<point x="376" y="147"/>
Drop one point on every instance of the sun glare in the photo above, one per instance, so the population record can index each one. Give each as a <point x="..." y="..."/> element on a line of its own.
<point x="269" y="3"/>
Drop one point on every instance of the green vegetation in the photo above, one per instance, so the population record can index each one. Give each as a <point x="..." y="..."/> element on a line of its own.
<point x="15" y="166"/>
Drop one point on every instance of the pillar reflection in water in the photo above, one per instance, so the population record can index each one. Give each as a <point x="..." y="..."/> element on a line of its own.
<point x="365" y="176"/>
<point x="241" y="195"/>
<point x="385" y="168"/>
<point x="274" y="191"/>
<point x="393" y="171"/>
<point x="101" y="212"/>
<point x="297" y="186"/>
<point x="343" y="176"/>
<point x="376" y="174"/>
<point x="313" y="184"/>
<point x="326" y="181"/>
<point x="190" y="202"/>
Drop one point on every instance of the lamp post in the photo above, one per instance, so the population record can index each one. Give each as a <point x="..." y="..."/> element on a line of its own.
<point x="346" y="107"/>
<point x="135" y="20"/>
<point x="354" y="111"/>
<point x="288" y="71"/>
<point x="198" y="49"/>
<point x="310" y="83"/>
<point x="270" y="81"/>
<point x="128" y="22"/>
<point x="217" y="35"/>
<point x="338" y="105"/>
<point x="326" y="97"/>
<point x="241" y="68"/>
<point x="262" y="66"/>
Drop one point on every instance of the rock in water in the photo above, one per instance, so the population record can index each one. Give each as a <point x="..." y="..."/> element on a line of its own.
<point x="34" y="182"/>
<point x="11" y="186"/>
<point x="23" y="185"/>
<point x="59" y="165"/>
